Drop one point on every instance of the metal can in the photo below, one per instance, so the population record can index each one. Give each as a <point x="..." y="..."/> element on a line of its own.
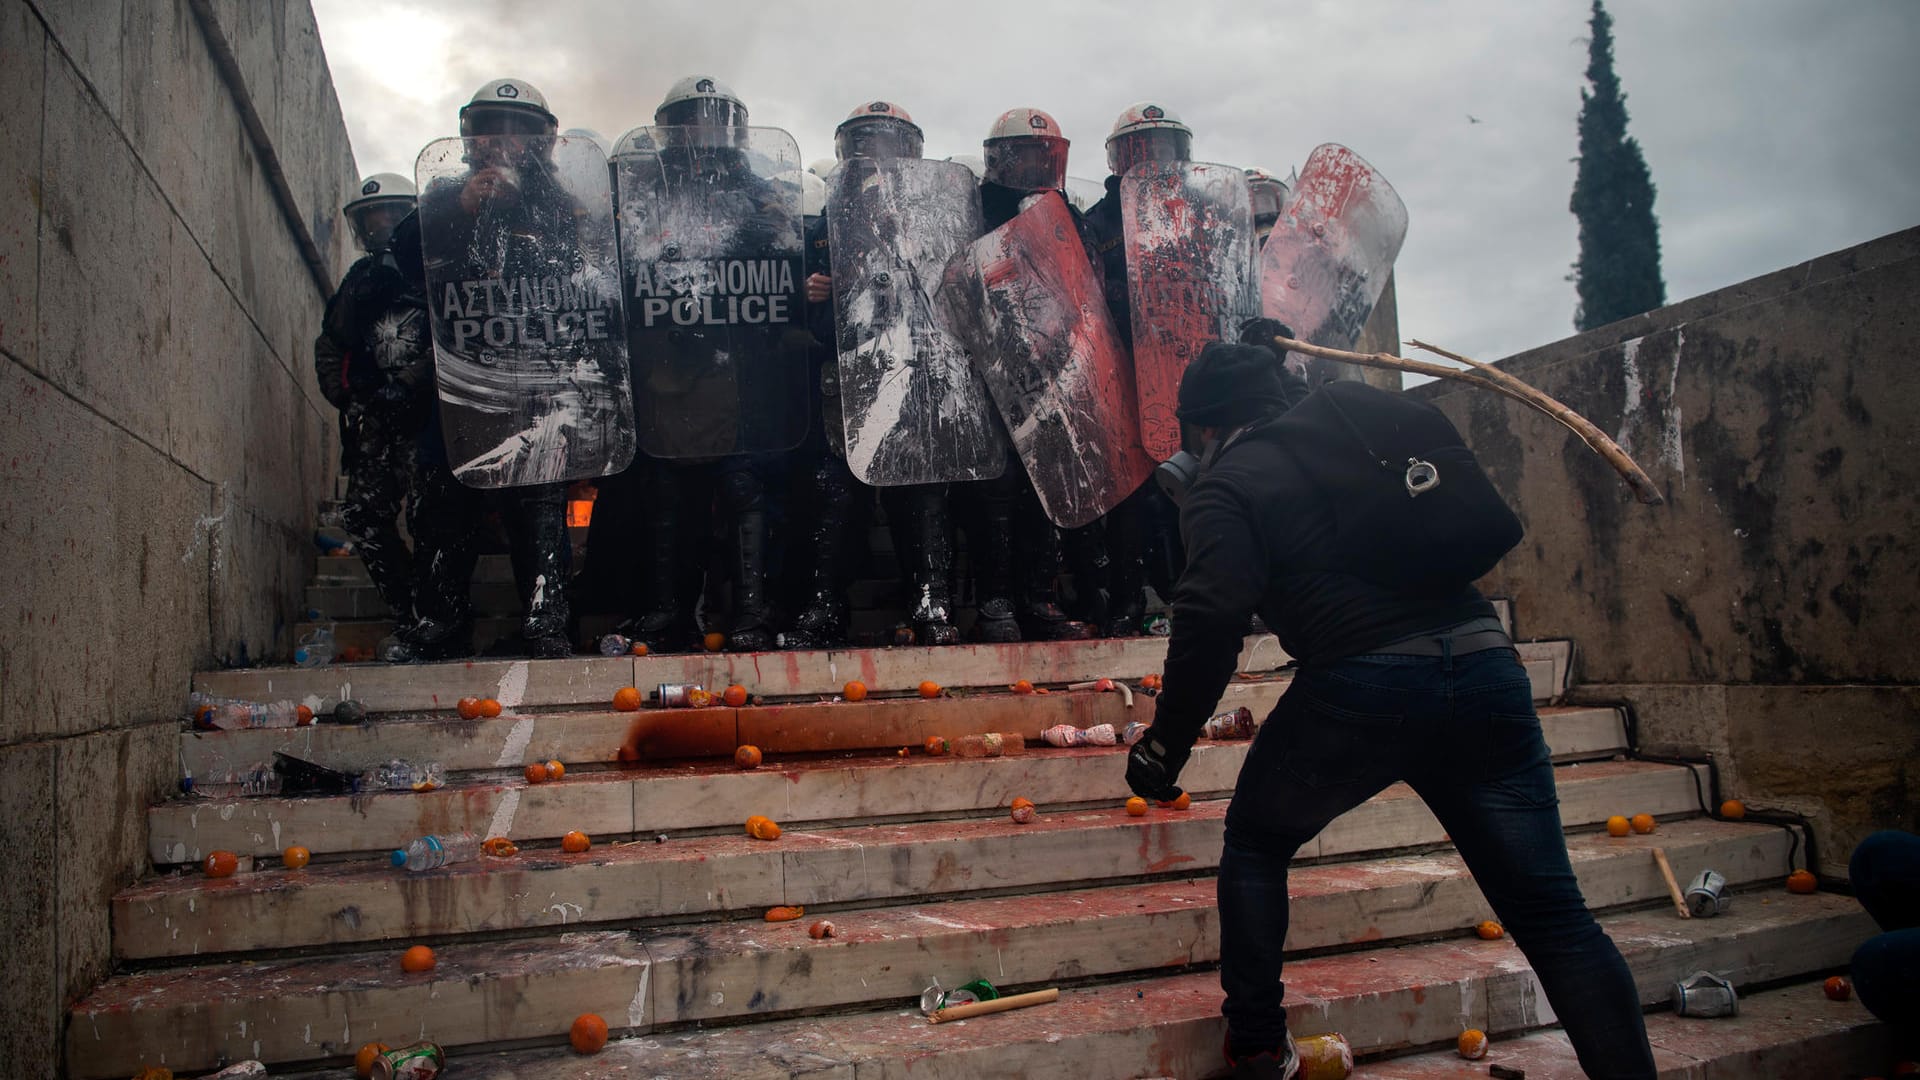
<point x="1324" y="1057"/>
<point x="677" y="695"/>
<point x="421" y="1061"/>
<point x="1707" y="895"/>
<point x="1704" y="994"/>
<point x="1233" y="724"/>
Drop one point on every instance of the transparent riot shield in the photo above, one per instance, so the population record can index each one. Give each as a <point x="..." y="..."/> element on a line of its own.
<point x="1190" y="277"/>
<point x="1329" y="255"/>
<point x="1030" y="303"/>
<point x="914" y="409"/>
<point x="523" y="290"/>
<point x="710" y="246"/>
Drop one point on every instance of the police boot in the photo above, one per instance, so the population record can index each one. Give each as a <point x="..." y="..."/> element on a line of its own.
<point x="1280" y="1064"/>
<point x="1092" y="568"/>
<point x="932" y="577"/>
<point x="541" y="532"/>
<point x="429" y="638"/>
<point x="1041" y="617"/>
<point x="992" y="555"/>
<point x="822" y="622"/>
<point x="1126" y="571"/>
<point x="752" y="621"/>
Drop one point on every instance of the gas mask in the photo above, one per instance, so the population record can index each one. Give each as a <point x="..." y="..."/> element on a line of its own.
<point x="1177" y="475"/>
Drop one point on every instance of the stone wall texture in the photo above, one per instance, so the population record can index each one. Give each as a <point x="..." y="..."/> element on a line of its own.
<point x="1766" y="614"/>
<point x="163" y="236"/>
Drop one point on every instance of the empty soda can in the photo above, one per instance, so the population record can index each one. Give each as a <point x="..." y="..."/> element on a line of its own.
<point x="1704" y="994"/>
<point x="676" y="695"/>
<point x="1707" y="895"/>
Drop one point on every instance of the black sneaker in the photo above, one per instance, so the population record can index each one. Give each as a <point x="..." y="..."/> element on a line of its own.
<point x="1283" y="1064"/>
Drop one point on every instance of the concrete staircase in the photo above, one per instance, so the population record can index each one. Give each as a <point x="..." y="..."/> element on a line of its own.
<point x="914" y="859"/>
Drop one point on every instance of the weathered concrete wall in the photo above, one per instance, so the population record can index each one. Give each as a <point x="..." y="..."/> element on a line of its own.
<point x="162" y="445"/>
<point x="1767" y="612"/>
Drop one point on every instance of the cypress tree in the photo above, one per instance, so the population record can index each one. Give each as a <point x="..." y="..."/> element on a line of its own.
<point x="1618" y="274"/>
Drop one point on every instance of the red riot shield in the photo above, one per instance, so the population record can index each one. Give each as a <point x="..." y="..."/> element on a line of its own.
<point x="1031" y="304"/>
<point x="1330" y="253"/>
<point x="1190" y="277"/>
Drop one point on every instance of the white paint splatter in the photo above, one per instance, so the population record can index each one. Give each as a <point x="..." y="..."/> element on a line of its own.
<point x="519" y="736"/>
<point x="1630" y="408"/>
<point x="502" y="824"/>
<point x="637" y="1007"/>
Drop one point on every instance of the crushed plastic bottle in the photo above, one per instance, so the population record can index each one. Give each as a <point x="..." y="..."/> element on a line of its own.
<point x="210" y="713"/>
<point x="433" y="852"/>
<point x="398" y="775"/>
<point x="1134" y="732"/>
<point x="256" y="779"/>
<point x="1068" y="735"/>
<point x="615" y="645"/>
<point x="1232" y="724"/>
<point x="990" y="744"/>
<point x="316" y="648"/>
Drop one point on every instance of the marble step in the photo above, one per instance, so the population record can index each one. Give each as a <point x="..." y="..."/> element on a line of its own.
<point x="296" y="1009"/>
<point x="794" y="787"/>
<point x="1383" y="999"/>
<point x="649" y="878"/>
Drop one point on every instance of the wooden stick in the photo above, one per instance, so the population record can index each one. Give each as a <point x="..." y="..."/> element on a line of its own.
<point x="982" y="1008"/>
<point x="1673" y="887"/>
<point x="1492" y="378"/>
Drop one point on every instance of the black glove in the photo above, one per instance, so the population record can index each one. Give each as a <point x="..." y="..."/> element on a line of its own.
<point x="1154" y="764"/>
<point x="1261" y="332"/>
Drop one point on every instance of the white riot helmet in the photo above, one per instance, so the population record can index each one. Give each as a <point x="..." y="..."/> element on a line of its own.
<point x="637" y="142"/>
<point x="588" y="134"/>
<point x="384" y="199"/>
<point x="813" y="195"/>
<point x="507" y="107"/>
<point x="1026" y="152"/>
<point x="974" y="163"/>
<point x="823" y="167"/>
<point x="1269" y="194"/>
<point x="879" y="130"/>
<point x="1147" y="132"/>
<point x="713" y="114"/>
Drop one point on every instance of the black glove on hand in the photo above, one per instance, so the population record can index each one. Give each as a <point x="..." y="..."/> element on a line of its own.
<point x="1261" y="332"/>
<point x="1154" y="764"/>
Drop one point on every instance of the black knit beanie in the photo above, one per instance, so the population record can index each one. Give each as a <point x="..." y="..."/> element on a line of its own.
<point x="1230" y="385"/>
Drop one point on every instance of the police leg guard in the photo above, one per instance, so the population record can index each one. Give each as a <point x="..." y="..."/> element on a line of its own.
<point x="932" y="572"/>
<point x="378" y="473"/>
<point x="1041" y="617"/>
<point x="1091" y="566"/>
<point x="540" y="539"/>
<point x="1126" y="568"/>
<point x="745" y="501"/>
<point x="664" y="623"/>
<point x="990" y="541"/>
<point x="445" y="521"/>
<point x="822" y="622"/>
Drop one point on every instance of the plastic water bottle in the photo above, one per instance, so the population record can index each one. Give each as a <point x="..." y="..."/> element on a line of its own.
<point x="398" y="775"/>
<point x="990" y="744"/>
<point x="257" y="779"/>
<point x="210" y="713"/>
<point x="1068" y="735"/>
<point x="433" y="852"/>
<point x="316" y="648"/>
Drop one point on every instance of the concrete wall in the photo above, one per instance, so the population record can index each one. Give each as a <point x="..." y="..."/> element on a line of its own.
<point x="1768" y="612"/>
<point x="162" y="445"/>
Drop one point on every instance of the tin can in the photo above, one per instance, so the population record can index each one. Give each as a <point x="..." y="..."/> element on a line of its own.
<point x="245" y="1070"/>
<point x="1324" y="1057"/>
<point x="1234" y="724"/>
<point x="1707" y="895"/>
<point x="1704" y="994"/>
<point x="421" y="1061"/>
<point x="677" y="695"/>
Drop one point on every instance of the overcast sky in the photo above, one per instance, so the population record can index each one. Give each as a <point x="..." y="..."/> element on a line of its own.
<point x="1775" y="130"/>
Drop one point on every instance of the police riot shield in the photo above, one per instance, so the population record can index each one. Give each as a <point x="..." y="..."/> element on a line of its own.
<point x="913" y="408"/>
<point x="1030" y="303"/>
<point x="1190" y="277"/>
<point x="1329" y="255"/>
<point x="710" y="245"/>
<point x="523" y="292"/>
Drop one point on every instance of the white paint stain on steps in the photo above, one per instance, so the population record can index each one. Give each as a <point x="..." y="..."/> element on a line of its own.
<point x="502" y="823"/>
<point x="637" y="1007"/>
<point x="519" y="737"/>
<point x="513" y="686"/>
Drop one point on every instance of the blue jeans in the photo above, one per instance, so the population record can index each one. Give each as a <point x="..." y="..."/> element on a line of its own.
<point x="1461" y="731"/>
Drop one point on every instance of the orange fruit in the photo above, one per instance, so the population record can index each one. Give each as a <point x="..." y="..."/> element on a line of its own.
<point x="575" y="842"/>
<point x="819" y="930"/>
<point x="157" y="1072"/>
<point x="1837" y="989"/>
<point x="1490" y="931"/>
<point x="905" y="751"/>
<point x="588" y="1033"/>
<point x="785" y="913"/>
<point x="1733" y="810"/>
<point x="1023" y="811"/>
<point x="468" y="707"/>
<point x="1472" y="1044"/>
<point x="736" y="695"/>
<point x="1136" y="807"/>
<point x="747" y="757"/>
<point x="220" y="863"/>
<point x="762" y="828"/>
<point x="1618" y="826"/>
<point x="302" y="716"/>
<point x="701" y="698"/>
<point x="418" y="958"/>
<point x="929" y="689"/>
<point x="626" y="699"/>
<point x="1181" y="802"/>
<point x="937" y="745"/>
<point x="639" y="648"/>
<point x="295" y="857"/>
<point x="554" y="770"/>
<point x="714" y="641"/>
<point x="1801" y="881"/>
<point x="854" y="691"/>
<point x="536" y="773"/>
<point x="363" y="1061"/>
<point x="499" y="847"/>
<point x="489" y="707"/>
<point x="1022" y="687"/>
<point x="1644" y="823"/>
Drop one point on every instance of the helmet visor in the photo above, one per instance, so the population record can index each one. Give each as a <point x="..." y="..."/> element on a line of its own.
<point x="503" y="120"/>
<point x="1027" y="163"/>
<point x="1148" y="144"/>
<point x="372" y="221"/>
<point x="879" y="138"/>
<point x="1267" y="197"/>
<point x="702" y="112"/>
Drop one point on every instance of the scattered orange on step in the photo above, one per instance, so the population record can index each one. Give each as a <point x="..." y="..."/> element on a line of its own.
<point x="157" y="1072"/>
<point x="220" y="863"/>
<point x="761" y="827"/>
<point x="1472" y="1044"/>
<point x="929" y="689"/>
<point x="820" y="930"/>
<point x="626" y="699"/>
<point x="1733" y="810"/>
<point x="499" y="847"/>
<point x="1643" y="823"/>
<point x="1023" y="811"/>
<point x="854" y="691"/>
<point x="1490" y="931"/>
<point x="784" y="913"/>
<point x="1618" y="826"/>
<point x="1022" y="687"/>
<point x="555" y="770"/>
<point x="1136" y="807"/>
<point x="363" y="1061"/>
<point x="1179" y="802"/>
<point x="489" y="707"/>
<point x="937" y="746"/>
<point x="714" y="641"/>
<point x="1837" y="989"/>
<point x="417" y="959"/>
<point x="295" y="857"/>
<point x="302" y="716"/>
<point x="537" y="773"/>
<point x="639" y="649"/>
<point x="588" y="1033"/>
<point x="575" y="842"/>
<point x="468" y="708"/>
<point x="735" y="696"/>
<point x="747" y="757"/>
<point x="1802" y="881"/>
